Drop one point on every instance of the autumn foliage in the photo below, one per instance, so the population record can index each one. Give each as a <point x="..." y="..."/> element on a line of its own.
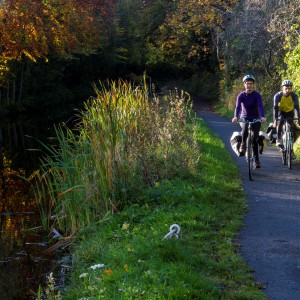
<point x="189" y="27"/>
<point x="37" y="29"/>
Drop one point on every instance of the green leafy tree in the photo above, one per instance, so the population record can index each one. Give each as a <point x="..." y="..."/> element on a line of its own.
<point x="189" y="33"/>
<point x="285" y="29"/>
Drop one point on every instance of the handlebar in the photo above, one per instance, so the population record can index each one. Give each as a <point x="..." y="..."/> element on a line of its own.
<point x="287" y="119"/>
<point x="250" y="122"/>
<point x="282" y="120"/>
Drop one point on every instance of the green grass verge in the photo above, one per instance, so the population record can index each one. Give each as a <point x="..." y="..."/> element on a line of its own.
<point x="135" y="262"/>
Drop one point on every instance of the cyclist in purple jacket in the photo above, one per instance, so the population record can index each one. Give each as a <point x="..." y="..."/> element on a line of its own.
<point x="249" y="106"/>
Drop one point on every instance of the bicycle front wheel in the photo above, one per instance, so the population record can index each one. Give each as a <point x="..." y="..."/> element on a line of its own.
<point x="283" y="156"/>
<point x="249" y="157"/>
<point x="284" y="151"/>
<point x="289" y="152"/>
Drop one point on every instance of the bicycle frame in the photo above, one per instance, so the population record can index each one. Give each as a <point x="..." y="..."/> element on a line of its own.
<point x="249" y="146"/>
<point x="287" y="141"/>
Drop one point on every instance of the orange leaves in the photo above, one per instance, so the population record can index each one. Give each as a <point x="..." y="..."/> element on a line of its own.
<point x="37" y="28"/>
<point x="107" y="272"/>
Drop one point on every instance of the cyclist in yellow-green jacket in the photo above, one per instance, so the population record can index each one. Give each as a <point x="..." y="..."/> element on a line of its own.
<point x="286" y="105"/>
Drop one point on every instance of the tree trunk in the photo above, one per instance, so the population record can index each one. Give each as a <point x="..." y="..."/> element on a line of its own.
<point x="13" y="94"/>
<point x="21" y="83"/>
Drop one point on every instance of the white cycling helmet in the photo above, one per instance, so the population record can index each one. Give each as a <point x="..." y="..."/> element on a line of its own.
<point x="248" y="78"/>
<point x="287" y="83"/>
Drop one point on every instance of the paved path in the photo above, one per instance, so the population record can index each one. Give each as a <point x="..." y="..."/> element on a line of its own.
<point x="270" y="237"/>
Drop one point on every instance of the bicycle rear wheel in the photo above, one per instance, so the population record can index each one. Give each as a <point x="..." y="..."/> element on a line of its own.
<point x="249" y="157"/>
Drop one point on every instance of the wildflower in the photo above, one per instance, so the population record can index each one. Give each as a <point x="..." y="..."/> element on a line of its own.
<point x="98" y="266"/>
<point x="83" y="275"/>
<point x="107" y="272"/>
<point x="125" y="268"/>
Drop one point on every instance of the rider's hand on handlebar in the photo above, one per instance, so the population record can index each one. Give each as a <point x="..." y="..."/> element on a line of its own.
<point x="234" y="120"/>
<point x="263" y="119"/>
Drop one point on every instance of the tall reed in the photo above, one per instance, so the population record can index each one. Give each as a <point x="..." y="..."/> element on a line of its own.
<point x="124" y="142"/>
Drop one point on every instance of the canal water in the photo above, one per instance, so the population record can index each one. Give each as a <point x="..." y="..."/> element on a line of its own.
<point x="24" y="262"/>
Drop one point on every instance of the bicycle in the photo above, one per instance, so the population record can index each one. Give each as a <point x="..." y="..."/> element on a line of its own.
<point x="250" y="159"/>
<point x="287" y="142"/>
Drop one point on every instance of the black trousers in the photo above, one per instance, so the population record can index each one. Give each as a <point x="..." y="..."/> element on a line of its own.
<point x="281" y="116"/>
<point x="256" y="129"/>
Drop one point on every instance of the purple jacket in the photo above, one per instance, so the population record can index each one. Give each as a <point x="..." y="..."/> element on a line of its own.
<point x="249" y="105"/>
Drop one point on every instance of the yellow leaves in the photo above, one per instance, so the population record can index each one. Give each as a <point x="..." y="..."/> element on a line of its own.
<point x="207" y="13"/>
<point x="222" y="65"/>
<point x="27" y="54"/>
<point x="125" y="226"/>
<point x="126" y="268"/>
<point x="187" y="27"/>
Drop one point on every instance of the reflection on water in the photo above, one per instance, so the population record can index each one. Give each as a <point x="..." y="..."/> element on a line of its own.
<point x="23" y="265"/>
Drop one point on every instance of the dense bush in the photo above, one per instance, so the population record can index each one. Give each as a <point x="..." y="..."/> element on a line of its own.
<point x="124" y="142"/>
